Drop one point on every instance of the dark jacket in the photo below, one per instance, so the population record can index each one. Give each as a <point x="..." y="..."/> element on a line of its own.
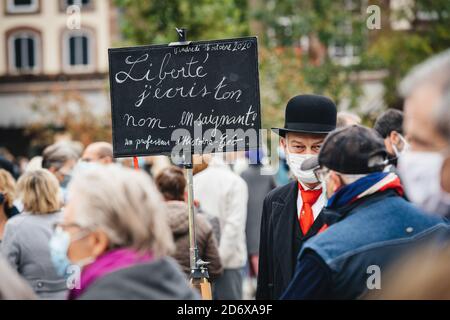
<point x="369" y="233"/>
<point x="161" y="279"/>
<point x="206" y="242"/>
<point x="259" y="186"/>
<point x="281" y="240"/>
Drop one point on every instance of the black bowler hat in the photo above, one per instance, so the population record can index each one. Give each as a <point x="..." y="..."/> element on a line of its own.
<point x="309" y="113"/>
<point x="351" y="150"/>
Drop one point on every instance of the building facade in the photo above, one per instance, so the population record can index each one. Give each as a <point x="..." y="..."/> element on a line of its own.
<point x="48" y="49"/>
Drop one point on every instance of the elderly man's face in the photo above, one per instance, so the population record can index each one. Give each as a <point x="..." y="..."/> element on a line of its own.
<point x="92" y="154"/>
<point x="421" y="130"/>
<point x="418" y="120"/>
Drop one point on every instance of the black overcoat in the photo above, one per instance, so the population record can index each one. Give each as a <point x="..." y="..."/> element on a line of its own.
<point x="281" y="240"/>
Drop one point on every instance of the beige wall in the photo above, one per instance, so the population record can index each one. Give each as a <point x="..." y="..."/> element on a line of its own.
<point x="52" y="22"/>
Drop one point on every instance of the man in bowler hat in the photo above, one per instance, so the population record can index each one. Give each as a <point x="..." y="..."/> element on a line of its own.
<point x="291" y="213"/>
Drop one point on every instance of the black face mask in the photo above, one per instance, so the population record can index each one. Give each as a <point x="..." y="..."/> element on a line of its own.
<point x="10" y="212"/>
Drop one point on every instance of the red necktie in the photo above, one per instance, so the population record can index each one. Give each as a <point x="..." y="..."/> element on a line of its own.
<point x="309" y="197"/>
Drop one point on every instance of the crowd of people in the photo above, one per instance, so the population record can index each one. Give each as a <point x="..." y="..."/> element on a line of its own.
<point x="353" y="212"/>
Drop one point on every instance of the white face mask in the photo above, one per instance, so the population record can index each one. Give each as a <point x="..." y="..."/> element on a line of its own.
<point x="295" y="161"/>
<point x="420" y="173"/>
<point x="405" y="148"/>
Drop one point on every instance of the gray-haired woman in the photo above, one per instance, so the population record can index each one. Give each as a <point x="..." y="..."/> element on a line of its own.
<point x="115" y="237"/>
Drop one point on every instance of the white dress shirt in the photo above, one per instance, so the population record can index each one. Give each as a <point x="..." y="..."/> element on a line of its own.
<point x="317" y="207"/>
<point x="224" y="194"/>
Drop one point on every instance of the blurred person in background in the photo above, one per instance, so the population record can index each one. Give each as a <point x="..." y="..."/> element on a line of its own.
<point x="34" y="164"/>
<point x="238" y="161"/>
<point x="259" y="186"/>
<point x="117" y="237"/>
<point x="22" y="164"/>
<point x="346" y="118"/>
<point x="12" y="286"/>
<point x="282" y="175"/>
<point x="422" y="275"/>
<point x="370" y="224"/>
<point x="26" y="236"/>
<point x="60" y="159"/>
<point x="224" y="194"/>
<point x="125" y="162"/>
<point x="425" y="168"/>
<point x="390" y="127"/>
<point x="7" y="196"/>
<point x="213" y="220"/>
<point x="6" y="163"/>
<point x="291" y="213"/>
<point x="156" y="164"/>
<point x="172" y="184"/>
<point x="98" y="152"/>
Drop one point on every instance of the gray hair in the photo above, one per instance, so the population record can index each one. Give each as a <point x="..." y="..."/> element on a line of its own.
<point x="125" y="204"/>
<point x="346" y="118"/>
<point x="435" y="71"/>
<point x="56" y="155"/>
<point x="350" y="178"/>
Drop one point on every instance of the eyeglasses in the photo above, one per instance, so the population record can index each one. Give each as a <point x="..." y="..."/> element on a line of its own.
<point x="321" y="173"/>
<point x="78" y="235"/>
<point x="65" y="226"/>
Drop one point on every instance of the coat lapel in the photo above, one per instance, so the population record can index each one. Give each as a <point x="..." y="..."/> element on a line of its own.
<point x="317" y="225"/>
<point x="285" y="215"/>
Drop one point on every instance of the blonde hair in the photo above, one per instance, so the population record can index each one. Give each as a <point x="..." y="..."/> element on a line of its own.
<point x="125" y="204"/>
<point x="7" y="187"/>
<point x="39" y="192"/>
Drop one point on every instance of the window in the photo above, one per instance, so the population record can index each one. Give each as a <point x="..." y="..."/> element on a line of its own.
<point x="77" y="51"/>
<point x="340" y="49"/>
<point x="344" y="54"/>
<point x="24" y="48"/>
<point x="22" y="6"/>
<point x="80" y="3"/>
<point x="84" y="5"/>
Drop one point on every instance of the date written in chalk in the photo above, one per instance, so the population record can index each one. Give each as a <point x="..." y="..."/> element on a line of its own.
<point x="226" y="309"/>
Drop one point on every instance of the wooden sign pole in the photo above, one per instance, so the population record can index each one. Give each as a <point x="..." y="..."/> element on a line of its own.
<point x="199" y="277"/>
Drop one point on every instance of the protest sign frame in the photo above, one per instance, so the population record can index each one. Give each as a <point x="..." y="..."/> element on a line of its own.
<point x="252" y="77"/>
<point x="199" y="273"/>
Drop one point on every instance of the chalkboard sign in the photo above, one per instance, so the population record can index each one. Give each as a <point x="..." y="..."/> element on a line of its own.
<point x="203" y="97"/>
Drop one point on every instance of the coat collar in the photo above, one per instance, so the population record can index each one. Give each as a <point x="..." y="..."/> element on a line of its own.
<point x="284" y="212"/>
<point x="288" y="236"/>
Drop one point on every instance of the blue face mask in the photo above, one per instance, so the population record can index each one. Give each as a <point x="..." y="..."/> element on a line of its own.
<point x="59" y="245"/>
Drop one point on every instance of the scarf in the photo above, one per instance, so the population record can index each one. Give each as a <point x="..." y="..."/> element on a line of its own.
<point x="110" y="261"/>
<point x="368" y="185"/>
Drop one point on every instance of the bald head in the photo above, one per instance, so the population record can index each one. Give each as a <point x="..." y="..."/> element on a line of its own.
<point x="345" y="118"/>
<point x="99" y="152"/>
